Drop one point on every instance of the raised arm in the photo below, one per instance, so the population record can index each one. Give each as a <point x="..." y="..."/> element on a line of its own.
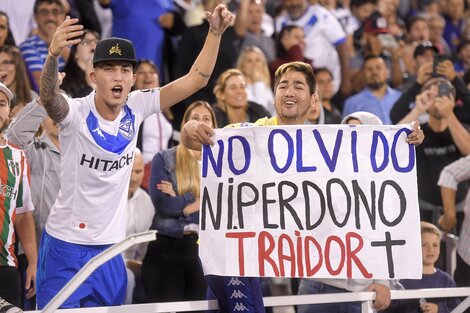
<point x="203" y="66"/>
<point x="23" y="128"/>
<point x="459" y="133"/>
<point x="55" y="104"/>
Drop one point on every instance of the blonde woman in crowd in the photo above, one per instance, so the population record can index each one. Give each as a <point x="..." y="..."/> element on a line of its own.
<point x="233" y="105"/>
<point x="252" y="63"/>
<point x="171" y="269"/>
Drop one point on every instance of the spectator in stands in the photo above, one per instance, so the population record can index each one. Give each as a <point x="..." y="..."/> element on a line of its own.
<point x="171" y="269"/>
<point x="454" y="22"/>
<point x="426" y="71"/>
<point x="77" y="82"/>
<point x="436" y="33"/>
<point x="20" y="19"/>
<point x="192" y="41"/>
<point x="101" y="131"/>
<point x="140" y="213"/>
<point x="321" y="29"/>
<point x="16" y="214"/>
<point x="255" y="35"/>
<point x="290" y="46"/>
<point x="463" y="54"/>
<point x="14" y="75"/>
<point x="377" y="39"/>
<point x="6" y="37"/>
<point x="361" y="10"/>
<point x="232" y="100"/>
<point x="146" y="24"/>
<point x="316" y="116"/>
<point x="377" y="98"/>
<point x="156" y="131"/>
<point x="433" y="277"/>
<point x="417" y="32"/>
<point x="325" y="87"/>
<point x="84" y="10"/>
<point x="447" y="139"/>
<point x="451" y="176"/>
<point x="252" y="63"/>
<point x="423" y="56"/>
<point x="43" y="154"/>
<point x="49" y="14"/>
<point x="345" y="17"/>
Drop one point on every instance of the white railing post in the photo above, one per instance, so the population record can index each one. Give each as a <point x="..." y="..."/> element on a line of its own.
<point x="462" y="306"/>
<point x="93" y="264"/>
<point x="366" y="307"/>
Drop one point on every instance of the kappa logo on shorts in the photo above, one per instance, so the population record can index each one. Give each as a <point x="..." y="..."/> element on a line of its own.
<point x="240" y="307"/>
<point x="234" y="281"/>
<point x="238" y="294"/>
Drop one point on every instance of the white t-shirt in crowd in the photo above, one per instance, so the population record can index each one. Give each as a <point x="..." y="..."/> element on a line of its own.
<point x="156" y="133"/>
<point x="96" y="163"/>
<point x="323" y="32"/>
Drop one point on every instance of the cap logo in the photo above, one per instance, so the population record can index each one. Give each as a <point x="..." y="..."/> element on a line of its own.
<point x="115" y="50"/>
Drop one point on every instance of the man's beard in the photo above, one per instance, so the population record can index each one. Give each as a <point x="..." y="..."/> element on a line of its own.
<point x="375" y="86"/>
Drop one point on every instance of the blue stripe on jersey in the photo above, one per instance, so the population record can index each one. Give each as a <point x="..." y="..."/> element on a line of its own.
<point x="116" y="144"/>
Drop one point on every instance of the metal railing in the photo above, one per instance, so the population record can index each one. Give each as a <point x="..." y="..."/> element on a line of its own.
<point x="366" y="298"/>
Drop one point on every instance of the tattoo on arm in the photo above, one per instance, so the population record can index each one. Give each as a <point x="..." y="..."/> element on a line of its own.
<point x="54" y="103"/>
<point x="203" y="75"/>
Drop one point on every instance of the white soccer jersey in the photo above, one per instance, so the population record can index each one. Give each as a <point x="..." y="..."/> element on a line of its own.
<point x="96" y="164"/>
<point x="323" y="32"/>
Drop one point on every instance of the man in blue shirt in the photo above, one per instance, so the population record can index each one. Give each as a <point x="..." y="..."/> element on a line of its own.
<point x="378" y="97"/>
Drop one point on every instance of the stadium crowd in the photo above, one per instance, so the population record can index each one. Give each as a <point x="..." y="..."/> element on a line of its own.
<point x="68" y="66"/>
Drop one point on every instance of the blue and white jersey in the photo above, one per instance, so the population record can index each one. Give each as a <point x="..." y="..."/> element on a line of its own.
<point x="323" y="32"/>
<point x="96" y="163"/>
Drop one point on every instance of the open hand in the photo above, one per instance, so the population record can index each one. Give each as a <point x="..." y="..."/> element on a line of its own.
<point x="66" y="35"/>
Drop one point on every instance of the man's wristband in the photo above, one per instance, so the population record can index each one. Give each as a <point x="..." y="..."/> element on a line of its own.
<point x="52" y="53"/>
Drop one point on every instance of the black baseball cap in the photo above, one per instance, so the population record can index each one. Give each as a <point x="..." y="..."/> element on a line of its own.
<point x="423" y="47"/>
<point x="114" y="49"/>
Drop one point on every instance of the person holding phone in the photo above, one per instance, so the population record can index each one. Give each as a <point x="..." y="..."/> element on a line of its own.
<point x="447" y="140"/>
<point x="431" y="67"/>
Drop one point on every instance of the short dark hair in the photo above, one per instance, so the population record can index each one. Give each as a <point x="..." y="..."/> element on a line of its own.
<point x="358" y="3"/>
<point x="39" y="2"/>
<point x="411" y="21"/>
<point x="319" y="70"/>
<point x="370" y="57"/>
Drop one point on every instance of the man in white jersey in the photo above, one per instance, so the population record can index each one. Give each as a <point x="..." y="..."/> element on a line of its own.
<point x="98" y="135"/>
<point x="325" y="38"/>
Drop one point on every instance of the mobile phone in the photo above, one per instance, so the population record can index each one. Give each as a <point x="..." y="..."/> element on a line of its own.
<point x="437" y="59"/>
<point x="444" y="89"/>
<point x="387" y="41"/>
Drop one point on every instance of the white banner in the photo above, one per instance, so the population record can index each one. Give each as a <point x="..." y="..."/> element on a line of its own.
<point x="310" y="201"/>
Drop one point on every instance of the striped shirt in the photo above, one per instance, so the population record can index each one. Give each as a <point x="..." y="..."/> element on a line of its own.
<point x="15" y="198"/>
<point x="34" y="51"/>
<point x="451" y="176"/>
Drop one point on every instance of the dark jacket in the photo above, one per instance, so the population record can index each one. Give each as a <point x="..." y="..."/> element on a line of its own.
<point x="169" y="219"/>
